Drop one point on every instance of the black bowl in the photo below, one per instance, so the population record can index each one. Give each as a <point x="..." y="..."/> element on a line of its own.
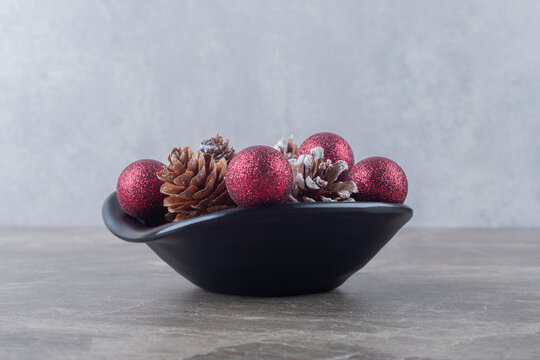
<point x="269" y="250"/>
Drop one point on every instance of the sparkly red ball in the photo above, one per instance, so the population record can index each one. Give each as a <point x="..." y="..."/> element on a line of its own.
<point x="137" y="189"/>
<point x="259" y="175"/>
<point x="379" y="179"/>
<point x="335" y="147"/>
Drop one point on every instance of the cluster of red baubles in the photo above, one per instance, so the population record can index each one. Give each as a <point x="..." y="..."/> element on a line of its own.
<point x="261" y="175"/>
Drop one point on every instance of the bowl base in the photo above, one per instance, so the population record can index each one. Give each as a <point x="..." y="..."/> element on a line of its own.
<point x="274" y="290"/>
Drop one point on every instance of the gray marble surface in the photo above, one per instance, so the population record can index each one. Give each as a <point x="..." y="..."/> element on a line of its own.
<point x="80" y="293"/>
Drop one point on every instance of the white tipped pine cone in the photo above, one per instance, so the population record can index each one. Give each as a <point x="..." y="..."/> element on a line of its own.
<point x="289" y="148"/>
<point x="218" y="148"/>
<point x="316" y="180"/>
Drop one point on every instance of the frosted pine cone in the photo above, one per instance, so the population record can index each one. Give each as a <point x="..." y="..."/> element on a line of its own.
<point x="289" y="148"/>
<point x="217" y="148"/>
<point x="194" y="184"/>
<point x="316" y="180"/>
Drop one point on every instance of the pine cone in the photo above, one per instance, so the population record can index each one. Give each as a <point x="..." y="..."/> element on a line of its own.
<point x="194" y="185"/>
<point x="217" y="148"/>
<point x="289" y="149"/>
<point x="315" y="179"/>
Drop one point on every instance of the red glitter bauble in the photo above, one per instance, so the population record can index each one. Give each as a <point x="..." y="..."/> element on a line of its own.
<point x="379" y="179"/>
<point x="259" y="175"/>
<point x="137" y="189"/>
<point x="335" y="147"/>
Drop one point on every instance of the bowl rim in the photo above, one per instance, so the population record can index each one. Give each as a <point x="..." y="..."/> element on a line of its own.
<point x="130" y="229"/>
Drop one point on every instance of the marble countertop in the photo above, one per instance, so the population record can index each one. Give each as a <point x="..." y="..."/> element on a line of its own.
<point x="81" y="293"/>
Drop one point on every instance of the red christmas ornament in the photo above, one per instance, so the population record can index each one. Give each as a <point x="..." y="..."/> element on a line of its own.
<point x="379" y="179"/>
<point x="335" y="147"/>
<point x="137" y="189"/>
<point x="259" y="175"/>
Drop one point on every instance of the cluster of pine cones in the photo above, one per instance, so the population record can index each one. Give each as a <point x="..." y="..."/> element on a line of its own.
<point x="194" y="183"/>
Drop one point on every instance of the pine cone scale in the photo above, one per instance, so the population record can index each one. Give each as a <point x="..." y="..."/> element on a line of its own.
<point x="218" y="208"/>
<point x="171" y="189"/>
<point x="199" y="179"/>
<point x="184" y="179"/>
<point x="204" y="193"/>
<point x="223" y="198"/>
<point x="173" y="202"/>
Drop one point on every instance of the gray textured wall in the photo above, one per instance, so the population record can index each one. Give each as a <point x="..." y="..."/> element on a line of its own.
<point x="448" y="89"/>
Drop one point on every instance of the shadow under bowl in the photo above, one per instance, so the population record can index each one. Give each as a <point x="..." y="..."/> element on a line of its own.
<point x="276" y="250"/>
